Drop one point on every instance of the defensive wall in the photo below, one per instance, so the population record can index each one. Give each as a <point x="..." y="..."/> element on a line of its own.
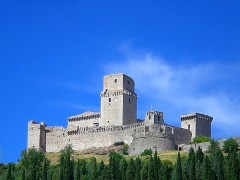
<point x="138" y="136"/>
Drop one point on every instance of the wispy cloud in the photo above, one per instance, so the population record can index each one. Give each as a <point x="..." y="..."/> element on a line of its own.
<point x="76" y="106"/>
<point x="209" y="88"/>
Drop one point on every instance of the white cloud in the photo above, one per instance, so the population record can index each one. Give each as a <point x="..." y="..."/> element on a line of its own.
<point x="208" y="88"/>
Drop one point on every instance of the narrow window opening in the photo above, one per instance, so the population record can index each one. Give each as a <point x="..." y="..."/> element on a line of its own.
<point x="115" y="80"/>
<point x="109" y="100"/>
<point x="128" y="82"/>
<point x="129" y="100"/>
<point x="189" y="127"/>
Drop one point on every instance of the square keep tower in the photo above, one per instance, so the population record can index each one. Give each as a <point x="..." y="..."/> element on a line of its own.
<point x="198" y="124"/>
<point x="118" y="101"/>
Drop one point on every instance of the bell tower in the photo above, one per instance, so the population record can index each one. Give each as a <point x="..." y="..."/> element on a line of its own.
<point x="118" y="101"/>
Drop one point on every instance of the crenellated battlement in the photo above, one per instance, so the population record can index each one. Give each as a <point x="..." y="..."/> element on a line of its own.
<point x="84" y="116"/>
<point x="89" y="130"/>
<point x="114" y="93"/>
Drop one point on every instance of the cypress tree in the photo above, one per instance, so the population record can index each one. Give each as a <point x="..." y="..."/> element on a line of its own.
<point x="166" y="172"/>
<point x="123" y="168"/>
<point x="67" y="168"/>
<point x="44" y="170"/>
<point x="78" y="172"/>
<point x="72" y="169"/>
<point x="101" y="167"/>
<point x="192" y="168"/>
<point x="220" y="165"/>
<point x="104" y="175"/>
<point x="156" y="165"/>
<point x="144" y="171"/>
<point x="179" y="168"/>
<point x="151" y="169"/>
<point x="61" y="173"/>
<point x="217" y="161"/>
<point x="9" y="172"/>
<point x="130" y="174"/>
<point x="138" y="166"/>
<point x="93" y="165"/>
<point x="199" y="155"/>
<point x="84" y="168"/>
<point x="206" y="169"/>
<point x="232" y="166"/>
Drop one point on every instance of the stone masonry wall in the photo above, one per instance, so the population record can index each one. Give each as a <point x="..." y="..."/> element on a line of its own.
<point x="181" y="136"/>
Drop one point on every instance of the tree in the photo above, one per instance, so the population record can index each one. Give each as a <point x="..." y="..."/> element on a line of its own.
<point x="166" y="170"/>
<point x="93" y="168"/>
<point x="232" y="166"/>
<point x="217" y="161"/>
<point x="230" y="145"/>
<point x="101" y="167"/>
<point x="66" y="164"/>
<point x="157" y="165"/>
<point x="9" y="171"/>
<point x="151" y="169"/>
<point x="130" y="174"/>
<point x="144" y="171"/>
<point x="123" y="168"/>
<point x="206" y="169"/>
<point x="114" y="162"/>
<point x="31" y="163"/>
<point x="138" y="165"/>
<point x="78" y="171"/>
<point x="45" y="169"/>
<point x="179" y="168"/>
<point x="192" y="168"/>
<point x="199" y="160"/>
<point x="200" y="139"/>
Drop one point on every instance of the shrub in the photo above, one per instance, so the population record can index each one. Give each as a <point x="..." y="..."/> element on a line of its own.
<point x="230" y="145"/>
<point x="147" y="152"/>
<point x="119" y="143"/>
<point x="201" y="139"/>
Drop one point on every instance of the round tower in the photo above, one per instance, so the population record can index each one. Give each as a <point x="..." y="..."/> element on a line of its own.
<point x="118" y="101"/>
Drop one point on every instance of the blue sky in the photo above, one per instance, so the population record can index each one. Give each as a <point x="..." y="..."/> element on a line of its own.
<point x="183" y="55"/>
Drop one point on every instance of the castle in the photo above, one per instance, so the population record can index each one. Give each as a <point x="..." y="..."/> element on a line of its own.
<point x="118" y="122"/>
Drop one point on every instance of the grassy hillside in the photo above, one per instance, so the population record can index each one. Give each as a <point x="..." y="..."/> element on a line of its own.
<point x="165" y="155"/>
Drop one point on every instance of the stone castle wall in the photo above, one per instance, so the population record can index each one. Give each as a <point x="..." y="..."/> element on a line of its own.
<point x="139" y="136"/>
<point x="181" y="136"/>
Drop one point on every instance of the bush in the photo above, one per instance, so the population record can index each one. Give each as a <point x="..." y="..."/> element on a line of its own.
<point x="147" y="152"/>
<point x="201" y="139"/>
<point x="119" y="143"/>
<point x="230" y="145"/>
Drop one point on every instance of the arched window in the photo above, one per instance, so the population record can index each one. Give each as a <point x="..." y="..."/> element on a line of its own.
<point x="115" y="80"/>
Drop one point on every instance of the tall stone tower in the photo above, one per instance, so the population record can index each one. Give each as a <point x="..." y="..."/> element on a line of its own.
<point x="36" y="136"/>
<point x="118" y="101"/>
<point x="198" y="124"/>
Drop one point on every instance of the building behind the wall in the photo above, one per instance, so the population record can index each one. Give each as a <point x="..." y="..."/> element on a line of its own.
<point x="117" y="122"/>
